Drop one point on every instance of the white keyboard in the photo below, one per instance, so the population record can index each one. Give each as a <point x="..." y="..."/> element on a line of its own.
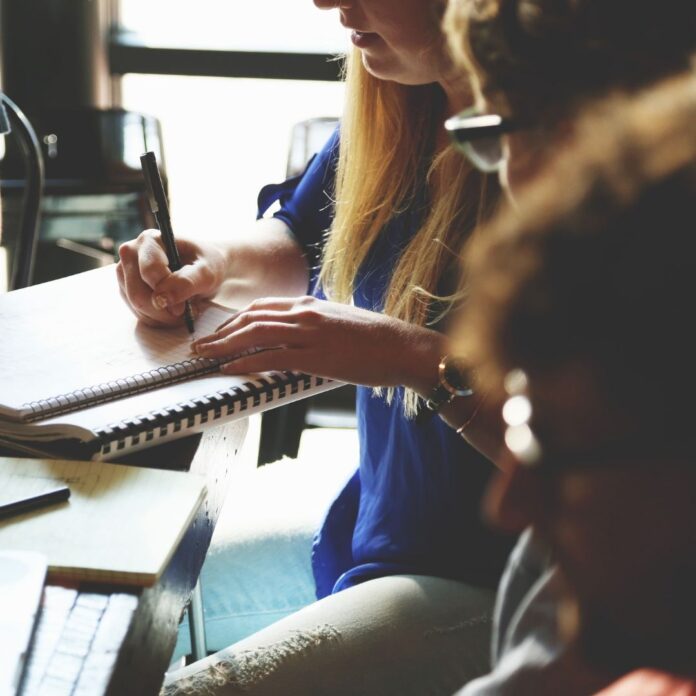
<point x="22" y="576"/>
<point x="76" y="643"/>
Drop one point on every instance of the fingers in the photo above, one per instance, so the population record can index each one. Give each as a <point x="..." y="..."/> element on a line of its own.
<point x="152" y="290"/>
<point x="136" y="292"/>
<point x="193" y="280"/>
<point x="270" y="305"/>
<point x="258" y="335"/>
<point x="245" y="318"/>
<point x="275" y="333"/>
<point x="145" y="318"/>
<point x="152" y="262"/>
<point x="258" y="329"/>
<point x="265" y="361"/>
<point x="142" y="264"/>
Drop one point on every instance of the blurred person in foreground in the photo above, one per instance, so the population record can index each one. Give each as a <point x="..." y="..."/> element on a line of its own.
<point x="578" y="316"/>
<point x="536" y="65"/>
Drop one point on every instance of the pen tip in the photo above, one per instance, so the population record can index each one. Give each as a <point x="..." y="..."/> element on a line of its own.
<point x="188" y="317"/>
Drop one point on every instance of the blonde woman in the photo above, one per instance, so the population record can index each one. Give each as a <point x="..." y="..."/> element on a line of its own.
<point x="402" y="560"/>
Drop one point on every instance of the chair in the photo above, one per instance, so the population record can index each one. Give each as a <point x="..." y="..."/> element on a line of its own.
<point x="307" y="138"/>
<point x="20" y="263"/>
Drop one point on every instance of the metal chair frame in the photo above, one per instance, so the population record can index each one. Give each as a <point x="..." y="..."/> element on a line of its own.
<point x="23" y="263"/>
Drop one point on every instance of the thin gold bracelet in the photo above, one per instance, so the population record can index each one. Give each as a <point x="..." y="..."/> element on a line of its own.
<point x="474" y="413"/>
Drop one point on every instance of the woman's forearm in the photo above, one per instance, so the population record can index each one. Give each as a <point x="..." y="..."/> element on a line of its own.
<point x="265" y="261"/>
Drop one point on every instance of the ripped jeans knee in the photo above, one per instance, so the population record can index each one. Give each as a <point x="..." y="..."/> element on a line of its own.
<point x="228" y="672"/>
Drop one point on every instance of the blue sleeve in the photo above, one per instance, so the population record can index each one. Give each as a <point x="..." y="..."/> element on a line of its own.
<point x="307" y="201"/>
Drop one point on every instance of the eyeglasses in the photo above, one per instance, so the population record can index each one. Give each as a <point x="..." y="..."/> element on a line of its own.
<point x="478" y="136"/>
<point x="634" y="451"/>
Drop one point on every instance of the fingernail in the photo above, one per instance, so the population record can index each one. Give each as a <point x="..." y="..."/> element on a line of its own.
<point x="160" y="301"/>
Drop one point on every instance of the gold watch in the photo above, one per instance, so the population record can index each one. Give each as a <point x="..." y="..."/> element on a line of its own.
<point x="455" y="379"/>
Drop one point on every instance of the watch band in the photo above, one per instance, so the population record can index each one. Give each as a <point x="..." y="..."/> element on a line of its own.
<point x="439" y="396"/>
<point x="454" y="380"/>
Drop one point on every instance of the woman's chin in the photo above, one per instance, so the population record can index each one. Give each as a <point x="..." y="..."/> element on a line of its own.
<point x="391" y="71"/>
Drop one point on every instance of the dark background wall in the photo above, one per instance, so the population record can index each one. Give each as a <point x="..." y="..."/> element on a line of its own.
<point x="54" y="53"/>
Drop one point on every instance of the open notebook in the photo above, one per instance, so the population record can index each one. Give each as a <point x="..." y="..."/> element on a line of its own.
<point x="82" y="377"/>
<point x="122" y="523"/>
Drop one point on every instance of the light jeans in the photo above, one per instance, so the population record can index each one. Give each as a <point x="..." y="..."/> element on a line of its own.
<point x="258" y="569"/>
<point x="400" y="635"/>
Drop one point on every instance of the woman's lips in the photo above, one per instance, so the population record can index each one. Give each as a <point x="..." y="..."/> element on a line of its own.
<point x="363" y="39"/>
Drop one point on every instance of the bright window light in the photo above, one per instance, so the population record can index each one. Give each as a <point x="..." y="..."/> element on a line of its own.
<point x="225" y="138"/>
<point x="259" y="25"/>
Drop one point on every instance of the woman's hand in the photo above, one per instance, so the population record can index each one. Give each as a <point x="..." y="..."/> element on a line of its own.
<point x="348" y="344"/>
<point x="327" y="339"/>
<point x="153" y="292"/>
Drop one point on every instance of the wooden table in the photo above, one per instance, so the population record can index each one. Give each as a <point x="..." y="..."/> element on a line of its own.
<point x="137" y="645"/>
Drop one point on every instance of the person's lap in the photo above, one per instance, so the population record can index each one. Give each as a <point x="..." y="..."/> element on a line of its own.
<point x="395" y="635"/>
<point x="258" y="569"/>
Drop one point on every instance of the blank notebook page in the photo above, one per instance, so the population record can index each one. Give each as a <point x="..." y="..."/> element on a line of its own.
<point x="93" y="338"/>
<point x="121" y="523"/>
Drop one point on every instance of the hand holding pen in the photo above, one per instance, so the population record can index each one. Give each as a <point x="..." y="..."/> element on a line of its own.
<point x="160" y="209"/>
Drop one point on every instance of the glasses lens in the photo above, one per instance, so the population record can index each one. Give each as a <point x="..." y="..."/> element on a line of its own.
<point x="486" y="154"/>
<point x="477" y="135"/>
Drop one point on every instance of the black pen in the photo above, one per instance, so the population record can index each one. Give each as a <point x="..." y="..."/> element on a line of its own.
<point x="17" y="507"/>
<point x="160" y="209"/>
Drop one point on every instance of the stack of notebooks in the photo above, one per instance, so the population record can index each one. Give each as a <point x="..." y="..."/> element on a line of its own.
<point x="82" y="378"/>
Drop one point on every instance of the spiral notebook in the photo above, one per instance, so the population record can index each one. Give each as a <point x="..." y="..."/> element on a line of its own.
<point x="80" y="376"/>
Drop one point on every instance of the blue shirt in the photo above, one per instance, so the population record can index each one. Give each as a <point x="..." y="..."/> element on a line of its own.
<point x="413" y="505"/>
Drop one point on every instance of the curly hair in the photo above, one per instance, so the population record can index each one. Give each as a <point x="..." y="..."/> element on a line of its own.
<point x="533" y="58"/>
<point x="603" y="271"/>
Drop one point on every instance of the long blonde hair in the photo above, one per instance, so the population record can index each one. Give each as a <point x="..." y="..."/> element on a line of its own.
<point x="387" y="147"/>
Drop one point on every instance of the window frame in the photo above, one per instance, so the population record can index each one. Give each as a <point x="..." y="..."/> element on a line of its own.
<point x="127" y="55"/>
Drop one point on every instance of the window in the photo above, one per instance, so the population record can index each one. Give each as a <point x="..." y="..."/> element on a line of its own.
<point x="251" y="25"/>
<point x="224" y="138"/>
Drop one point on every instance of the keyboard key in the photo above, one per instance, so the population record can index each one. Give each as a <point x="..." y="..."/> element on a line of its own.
<point x="114" y="623"/>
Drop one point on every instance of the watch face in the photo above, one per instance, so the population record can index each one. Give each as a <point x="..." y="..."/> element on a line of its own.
<point x="456" y="376"/>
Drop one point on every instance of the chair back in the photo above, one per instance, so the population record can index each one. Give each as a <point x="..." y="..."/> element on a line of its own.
<point x="16" y="267"/>
<point x="307" y="138"/>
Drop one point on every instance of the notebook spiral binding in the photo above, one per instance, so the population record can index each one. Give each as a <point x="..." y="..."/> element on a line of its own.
<point x="120" y="388"/>
<point x="184" y="416"/>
